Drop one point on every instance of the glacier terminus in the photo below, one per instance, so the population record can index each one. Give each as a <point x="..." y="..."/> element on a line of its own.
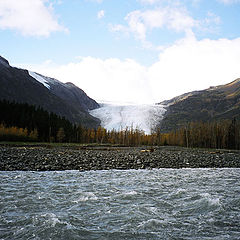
<point x="119" y="116"/>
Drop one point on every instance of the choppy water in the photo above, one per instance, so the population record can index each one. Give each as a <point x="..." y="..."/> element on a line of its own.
<point x="146" y="204"/>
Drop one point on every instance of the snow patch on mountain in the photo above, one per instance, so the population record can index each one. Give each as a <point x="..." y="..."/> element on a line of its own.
<point x="40" y="79"/>
<point x="119" y="116"/>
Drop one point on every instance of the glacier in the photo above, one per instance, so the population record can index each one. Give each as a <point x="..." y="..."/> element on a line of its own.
<point x="119" y="116"/>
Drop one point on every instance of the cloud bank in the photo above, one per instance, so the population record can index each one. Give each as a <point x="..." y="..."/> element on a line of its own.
<point x="187" y="65"/>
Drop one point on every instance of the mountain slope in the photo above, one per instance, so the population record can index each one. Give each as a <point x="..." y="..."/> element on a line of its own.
<point x="215" y="103"/>
<point x="63" y="99"/>
<point x="67" y="91"/>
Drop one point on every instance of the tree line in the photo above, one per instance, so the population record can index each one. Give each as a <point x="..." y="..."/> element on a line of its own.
<point x="17" y="134"/>
<point x="214" y="134"/>
<point x="46" y="126"/>
<point x="23" y="122"/>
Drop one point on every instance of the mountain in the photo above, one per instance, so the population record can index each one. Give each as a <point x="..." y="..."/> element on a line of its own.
<point x="71" y="94"/>
<point x="215" y="103"/>
<point x="64" y="99"/>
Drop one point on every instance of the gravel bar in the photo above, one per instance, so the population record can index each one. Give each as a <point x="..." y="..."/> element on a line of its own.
<point x="40" y="158"/>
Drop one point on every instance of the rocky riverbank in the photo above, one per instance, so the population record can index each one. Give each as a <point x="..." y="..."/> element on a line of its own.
<point x="40" y="158"/>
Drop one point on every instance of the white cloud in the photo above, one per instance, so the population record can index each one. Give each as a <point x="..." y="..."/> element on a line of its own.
<point x="100" y="14"/>
<point x="139" y="22"/>
<point x="193" y="65"/>
<point x="212" y="17"/>
<point x="185" y="66"/>
<point x="173" y="17"/>
<point x="110" y="79"/>
<point x="30" y="18"/>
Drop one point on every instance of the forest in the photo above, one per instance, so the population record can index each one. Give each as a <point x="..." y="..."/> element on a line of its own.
<point x="20" y="121"/>
<point x="23" y="122"/>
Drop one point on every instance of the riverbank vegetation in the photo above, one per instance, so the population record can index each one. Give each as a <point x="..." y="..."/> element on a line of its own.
<point x="22" y="122"/>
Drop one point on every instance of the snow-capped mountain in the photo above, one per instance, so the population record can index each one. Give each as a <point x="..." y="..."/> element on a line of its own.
<point x="67" y="91"/>
<point x="119" y="116"/>
<point x="64" y="99"/>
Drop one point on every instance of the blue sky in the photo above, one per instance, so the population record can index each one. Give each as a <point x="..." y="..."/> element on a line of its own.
<point x="128" y="50"/>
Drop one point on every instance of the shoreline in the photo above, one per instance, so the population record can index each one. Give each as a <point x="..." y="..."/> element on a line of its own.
<point x="85" y="158"/>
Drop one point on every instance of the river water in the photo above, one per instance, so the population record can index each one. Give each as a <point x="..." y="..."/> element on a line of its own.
<point x="133" y="204"/>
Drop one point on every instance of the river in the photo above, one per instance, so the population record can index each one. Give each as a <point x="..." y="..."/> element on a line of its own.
<point x="131" y="204"/>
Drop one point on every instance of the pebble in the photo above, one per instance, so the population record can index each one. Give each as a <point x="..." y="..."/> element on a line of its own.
<point x="67" y="158"/>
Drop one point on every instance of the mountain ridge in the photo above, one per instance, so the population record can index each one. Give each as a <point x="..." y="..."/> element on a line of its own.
<point x="215" y="103"/>
<point x="65" y="100"/>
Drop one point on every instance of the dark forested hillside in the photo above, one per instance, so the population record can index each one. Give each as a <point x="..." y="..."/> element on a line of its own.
<point x="47" y="125"/>
<point x="72" y="103"/>
<point x="213" y="104"/>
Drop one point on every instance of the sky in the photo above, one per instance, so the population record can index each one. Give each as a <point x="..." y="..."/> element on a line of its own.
<point x="135" y="51"/>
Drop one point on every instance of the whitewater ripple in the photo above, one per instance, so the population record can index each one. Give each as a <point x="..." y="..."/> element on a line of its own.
<point x="145" y="204"/>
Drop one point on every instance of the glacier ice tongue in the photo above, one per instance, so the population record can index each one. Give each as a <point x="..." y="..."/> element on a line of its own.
<point x="118" y="117"/>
